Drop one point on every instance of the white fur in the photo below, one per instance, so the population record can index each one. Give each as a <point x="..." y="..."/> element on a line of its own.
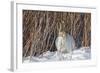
<point x="65" y="44"/>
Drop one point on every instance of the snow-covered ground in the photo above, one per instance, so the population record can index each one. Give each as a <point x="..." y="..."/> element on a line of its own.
<point x="82" y="53"/>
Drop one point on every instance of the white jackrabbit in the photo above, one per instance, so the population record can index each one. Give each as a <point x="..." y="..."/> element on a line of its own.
<point x="64" y="43"/>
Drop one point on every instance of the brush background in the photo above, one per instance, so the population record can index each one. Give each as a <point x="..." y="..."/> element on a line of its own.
<point x="5" y="39"/>
<point x="40" y="29"/>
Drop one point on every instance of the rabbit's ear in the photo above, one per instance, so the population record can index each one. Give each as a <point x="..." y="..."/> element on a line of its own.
<point x="57" y="27"/>
<point x="60" y="27"/>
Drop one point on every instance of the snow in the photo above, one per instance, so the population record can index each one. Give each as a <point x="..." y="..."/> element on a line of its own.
<point x="82" y="53"/>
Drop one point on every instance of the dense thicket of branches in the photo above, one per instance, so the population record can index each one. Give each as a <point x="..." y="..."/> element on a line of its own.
<point x="40" y="29"/>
